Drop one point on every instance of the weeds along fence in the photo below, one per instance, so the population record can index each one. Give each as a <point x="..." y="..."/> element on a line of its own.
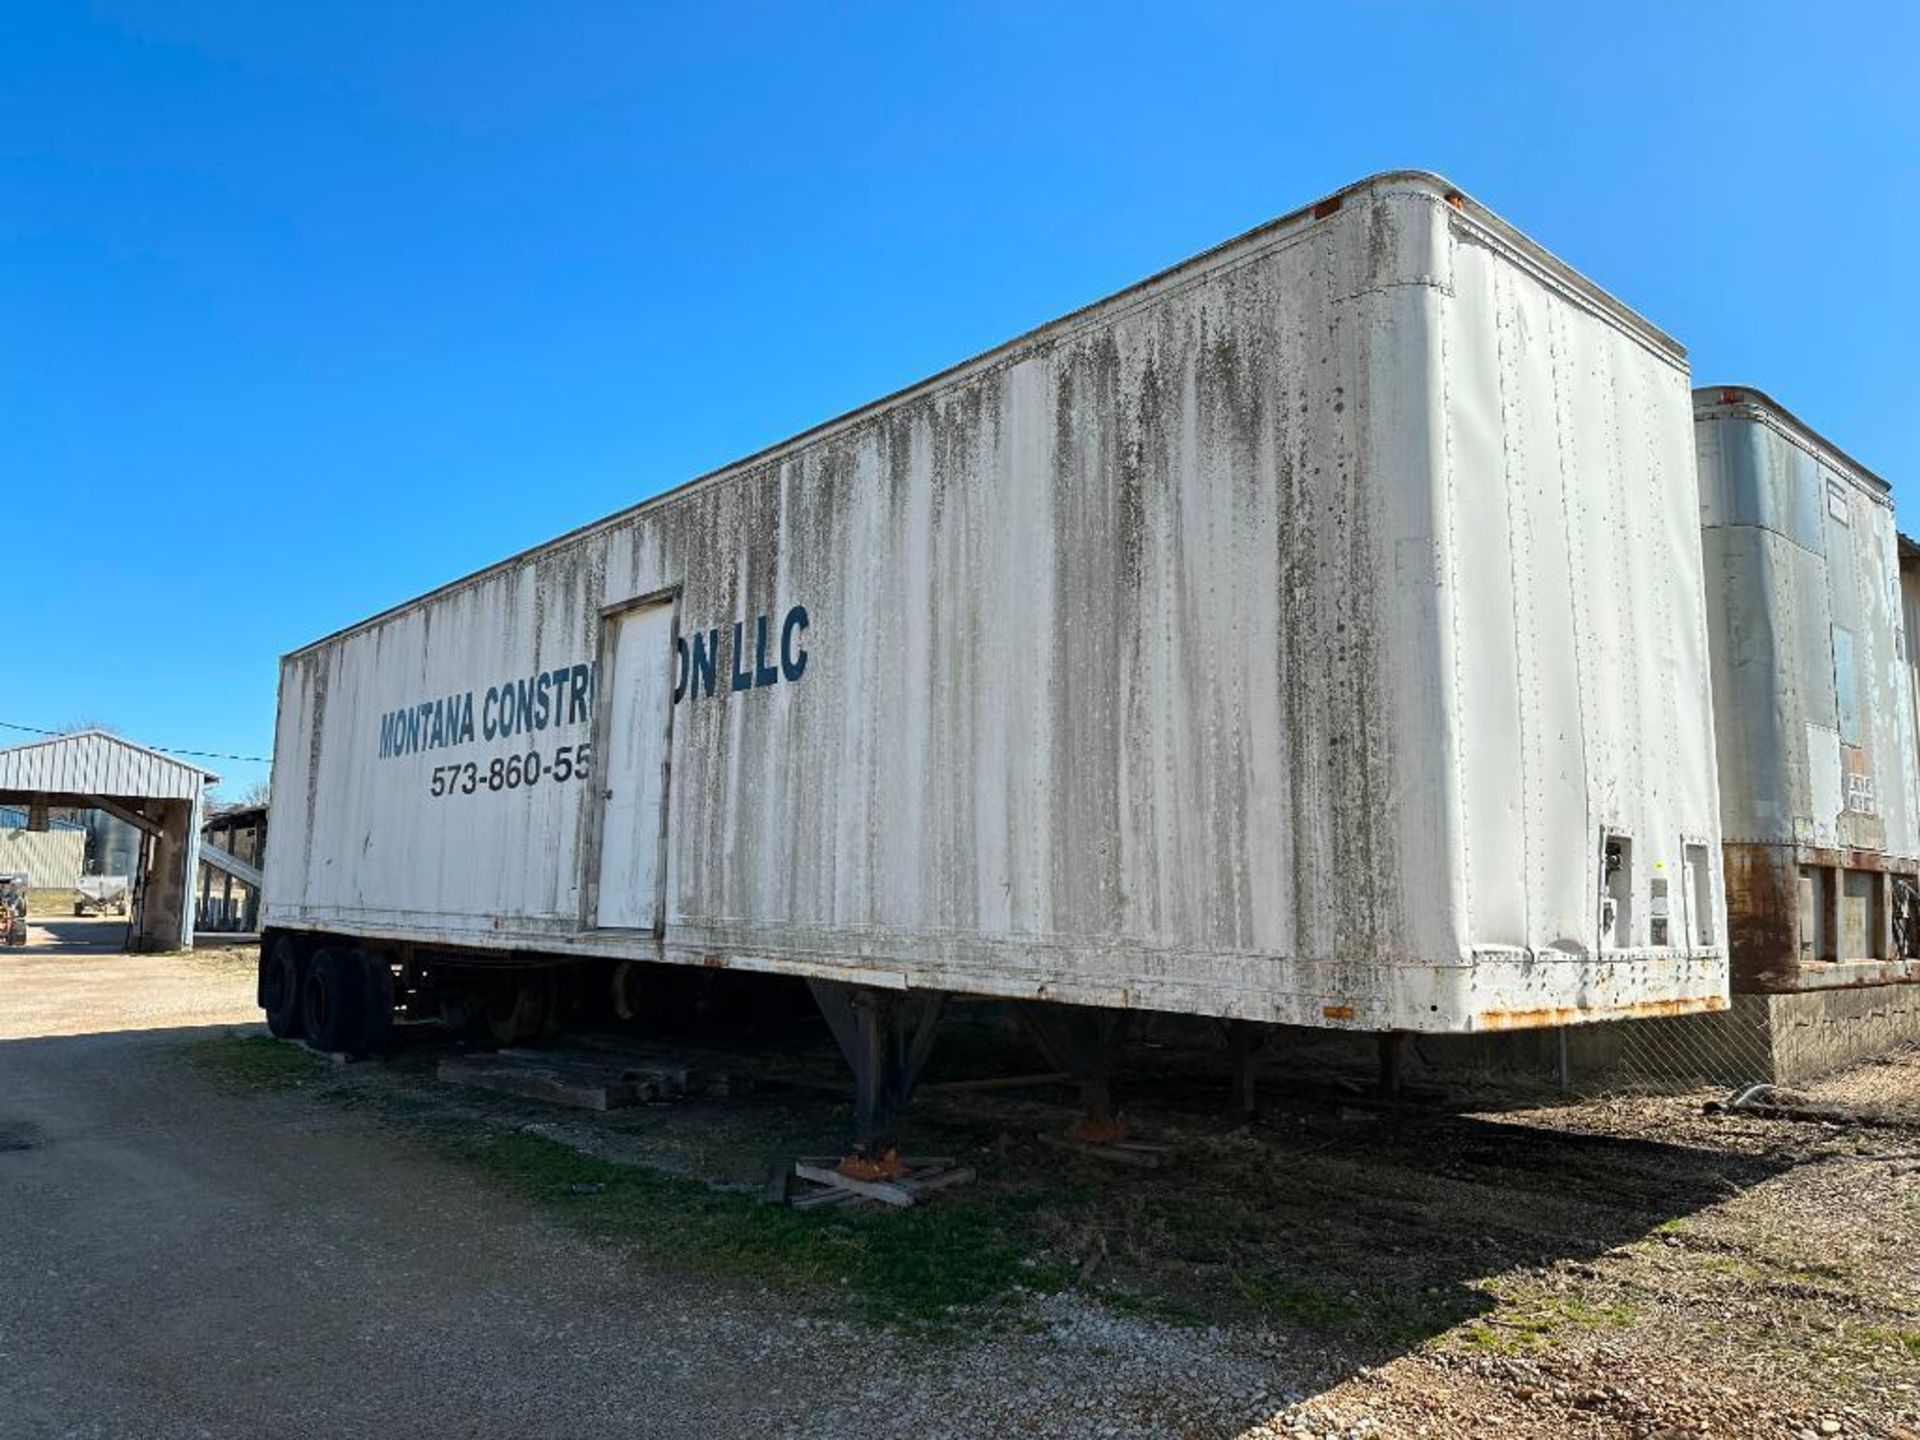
<point x="1863" y="1042"/>
<point x="1860" y="1041"/>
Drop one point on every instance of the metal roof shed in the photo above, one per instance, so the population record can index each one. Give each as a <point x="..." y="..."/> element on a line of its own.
<point x="159" y="795"/>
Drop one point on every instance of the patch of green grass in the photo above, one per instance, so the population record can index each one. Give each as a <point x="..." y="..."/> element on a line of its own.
<point x="1204" y="1232"/>
<point x="1496" y="1338"/>
<point x="1531" y="1322"/>
<point x="1846" y="1355"/>
<point x="1890" y="1338"/>
<point x="1391" y="1318"/>
<point x="254" y="1062"/>
<point x="901" y="1266"/>
<point x="912" y="1266"/>
<point x="1728" y="1265"/>
<point x="1299" y="1301"/>
<point x="1575" y="1313"/>
<point x="1152" y="1307"/>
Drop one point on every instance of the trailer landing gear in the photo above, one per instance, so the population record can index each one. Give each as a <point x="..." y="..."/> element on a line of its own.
<point x="1393" y="1063"/>
<point x="886" y="1036"/>
<point x="1245" y="1040"/>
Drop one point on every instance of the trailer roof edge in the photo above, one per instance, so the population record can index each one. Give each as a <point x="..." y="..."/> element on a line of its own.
<point x="1239" y="247"/>
<point x="1714" y="402"/>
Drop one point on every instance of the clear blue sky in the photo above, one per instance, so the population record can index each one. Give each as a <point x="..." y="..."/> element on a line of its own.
<point x="306" y="309"/>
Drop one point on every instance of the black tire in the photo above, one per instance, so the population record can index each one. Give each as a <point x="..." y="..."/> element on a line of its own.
<point x="464" y="1014"/>
<point x="517" y="1010"/>
<point x="280" y="987"/>
<point x="332" y="1001"/>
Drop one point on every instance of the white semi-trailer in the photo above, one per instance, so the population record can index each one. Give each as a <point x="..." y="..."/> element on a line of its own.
<point x="1312" y="633"/>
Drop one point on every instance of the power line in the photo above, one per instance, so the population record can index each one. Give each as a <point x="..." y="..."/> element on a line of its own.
<point x="163" y="749"/>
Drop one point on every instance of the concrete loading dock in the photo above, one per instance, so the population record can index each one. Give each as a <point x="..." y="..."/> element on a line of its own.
<point x="158" y="795"/>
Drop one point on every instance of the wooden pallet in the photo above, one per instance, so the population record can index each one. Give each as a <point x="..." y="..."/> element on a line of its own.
<point x="823" y="1184"/>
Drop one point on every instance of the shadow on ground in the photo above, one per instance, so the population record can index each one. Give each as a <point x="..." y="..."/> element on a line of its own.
<point x="1328" y="1236"/>
<point x="1365" y="1226"/>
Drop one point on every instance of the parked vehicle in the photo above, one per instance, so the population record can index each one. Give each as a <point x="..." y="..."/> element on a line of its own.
<point x="13" y="907"/>
<point x="99" y="894"/>
<point x="1819" y="777"/>
<point x="1312" y="633"/>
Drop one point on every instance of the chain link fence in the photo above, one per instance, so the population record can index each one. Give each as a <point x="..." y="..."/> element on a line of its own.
<point x="1856" y="1046"/>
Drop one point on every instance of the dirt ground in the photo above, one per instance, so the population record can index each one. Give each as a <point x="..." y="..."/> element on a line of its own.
<point x="219" y="1234"/>
<point x="73" y="978"/>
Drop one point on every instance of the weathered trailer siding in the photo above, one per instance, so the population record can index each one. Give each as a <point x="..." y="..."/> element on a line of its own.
<point x="1571" y="501"/>
<point x="1818" y="775"/>
<point x="1909" y="561"/>
<point x="1274" y="639"/>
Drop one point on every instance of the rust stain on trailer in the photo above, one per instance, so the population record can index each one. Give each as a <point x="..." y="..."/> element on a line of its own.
<point x="1853" y="859"/>
<point x="1555" y="1015"/>
<point x="1762" y="916"/>
<point x="1765" y="922"/>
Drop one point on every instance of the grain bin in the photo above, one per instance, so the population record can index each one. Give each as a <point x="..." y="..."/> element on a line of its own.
<point x="1312" y="633"/>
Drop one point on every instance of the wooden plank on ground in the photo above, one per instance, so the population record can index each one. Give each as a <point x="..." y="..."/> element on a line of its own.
<point x="923" y="1175"/>
<point x="1137" y="1153"/>
<point x="557" y="1085"/>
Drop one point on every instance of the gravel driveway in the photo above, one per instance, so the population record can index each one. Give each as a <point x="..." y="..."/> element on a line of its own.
<point x="181" y="1261"/>
<point x="182" y="1258"/>
<point x="73" y="979"/>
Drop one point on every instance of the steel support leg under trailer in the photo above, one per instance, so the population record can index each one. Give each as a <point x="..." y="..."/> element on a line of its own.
<point x="1084" y="1042"/>
<point x="886" y="1036"/>
<point x="1245" y="1040"/>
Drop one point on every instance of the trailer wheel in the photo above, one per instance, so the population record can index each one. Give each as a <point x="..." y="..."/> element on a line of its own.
<point x="280" y="986"/>
<point x="331" y="1000"/>
<point x="463" y="1014"/>
<point x="518" y="1010"/>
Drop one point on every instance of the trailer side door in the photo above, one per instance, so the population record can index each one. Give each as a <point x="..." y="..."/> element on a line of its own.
<point x="637" y="693"/>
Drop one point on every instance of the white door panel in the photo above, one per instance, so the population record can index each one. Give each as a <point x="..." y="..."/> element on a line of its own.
<point x="633" y="765"/>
